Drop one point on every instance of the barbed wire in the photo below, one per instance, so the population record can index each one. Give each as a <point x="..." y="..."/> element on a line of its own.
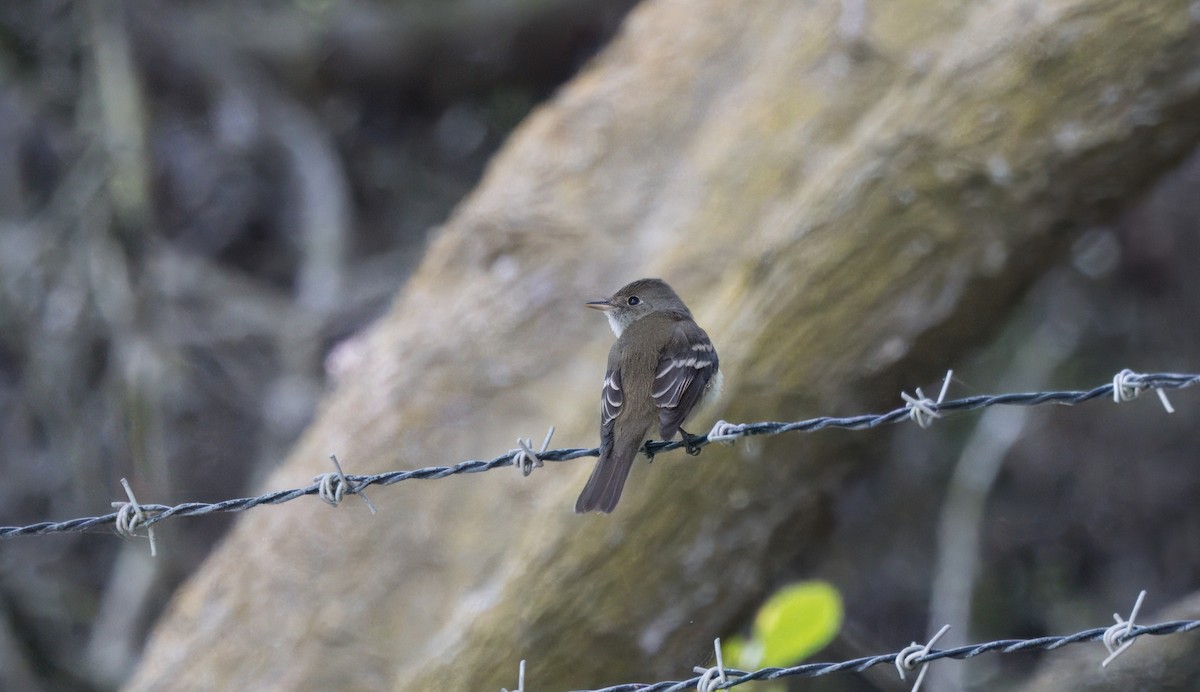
<point x="735" y="677"/>
<point x="1125" y="386"/>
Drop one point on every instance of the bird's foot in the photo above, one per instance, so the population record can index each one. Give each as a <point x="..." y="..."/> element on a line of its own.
<point x="649" y="450"/>
<point x="692" y="443"/>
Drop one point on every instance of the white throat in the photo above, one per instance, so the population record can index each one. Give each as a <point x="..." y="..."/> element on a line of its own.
<point x="615" y="322"/>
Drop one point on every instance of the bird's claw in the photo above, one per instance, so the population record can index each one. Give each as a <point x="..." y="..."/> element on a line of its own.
<point x="692" y="443"/>
<point x="648" y="450"/>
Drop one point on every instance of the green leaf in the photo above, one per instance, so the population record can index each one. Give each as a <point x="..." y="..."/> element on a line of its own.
<point x="795" y="623"/>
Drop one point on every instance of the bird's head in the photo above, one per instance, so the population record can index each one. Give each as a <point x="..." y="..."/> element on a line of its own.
<point x="636" y="300"/>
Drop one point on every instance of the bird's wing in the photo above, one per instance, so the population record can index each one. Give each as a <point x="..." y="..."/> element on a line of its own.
<point x="611" y="398"/>
<point x="687" y="362"/>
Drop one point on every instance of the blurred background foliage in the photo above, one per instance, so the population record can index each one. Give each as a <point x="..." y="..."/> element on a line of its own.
<point x="199" y="200"/>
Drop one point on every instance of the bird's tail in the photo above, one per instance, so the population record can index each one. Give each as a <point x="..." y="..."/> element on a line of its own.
<point x="603" y="489"/>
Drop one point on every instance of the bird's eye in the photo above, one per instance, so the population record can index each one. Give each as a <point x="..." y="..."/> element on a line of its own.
<point x="634" y="300"/>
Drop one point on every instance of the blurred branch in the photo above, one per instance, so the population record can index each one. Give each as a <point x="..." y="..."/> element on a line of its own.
<point x="960" y="526"/>
<point x="844" y="218"/>
<point x="122" y="113"/>
<point x="442" y="50"/>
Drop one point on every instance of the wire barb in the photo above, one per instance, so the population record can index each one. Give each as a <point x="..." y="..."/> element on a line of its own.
<point x="130" y="518"/>
<point x="520" y="679"/>
<point x="1127" y="385"/>
<point x="524" y="458"/>
<point x="332" y="487"/>
<point x="1120" y="636"/>
<point x="724" y="432"/>
<point x="914" y="653"/>
<point x="712" y="678"/>
<point x="921" y="408"/>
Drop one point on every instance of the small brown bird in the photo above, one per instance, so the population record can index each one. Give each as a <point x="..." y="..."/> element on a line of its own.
<point x="662" y="369"/>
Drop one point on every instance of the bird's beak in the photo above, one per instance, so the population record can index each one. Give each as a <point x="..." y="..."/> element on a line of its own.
<point x="604" y="305"/>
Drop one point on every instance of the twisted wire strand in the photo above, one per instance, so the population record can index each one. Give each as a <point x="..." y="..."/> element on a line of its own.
<point x="156" y="513"/>
<point x="811" y="670"/>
